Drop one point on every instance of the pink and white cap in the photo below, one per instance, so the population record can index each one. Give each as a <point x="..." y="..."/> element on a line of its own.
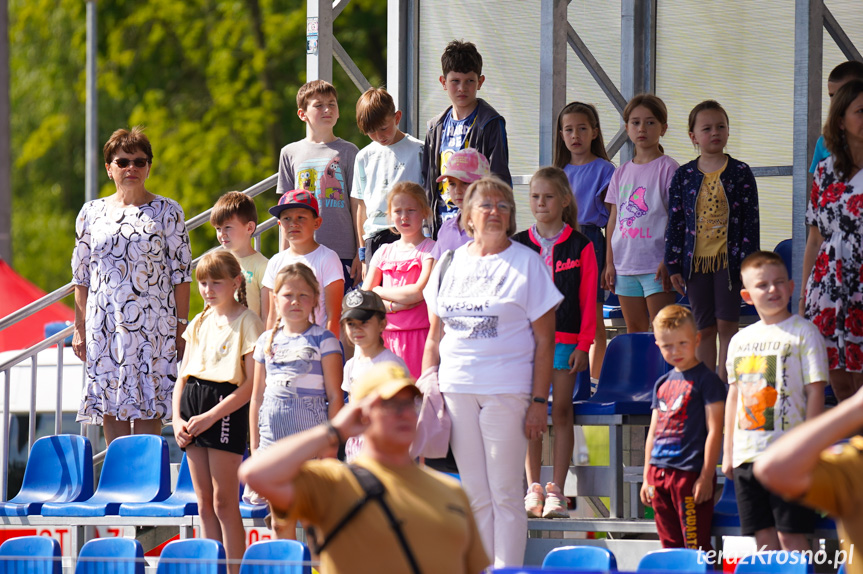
<point x="467" y="165"/>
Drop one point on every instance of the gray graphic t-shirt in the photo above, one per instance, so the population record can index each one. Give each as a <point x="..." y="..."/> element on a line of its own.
<point x="328" y="171"/>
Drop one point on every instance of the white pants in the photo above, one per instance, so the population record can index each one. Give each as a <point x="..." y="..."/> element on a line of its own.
<point x="489" y="446"/>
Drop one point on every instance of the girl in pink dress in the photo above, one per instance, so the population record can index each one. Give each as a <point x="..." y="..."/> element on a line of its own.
<point x="399" y="271"/>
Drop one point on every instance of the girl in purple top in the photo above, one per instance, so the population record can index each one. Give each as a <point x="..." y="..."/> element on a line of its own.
<point x="580" y="151"/>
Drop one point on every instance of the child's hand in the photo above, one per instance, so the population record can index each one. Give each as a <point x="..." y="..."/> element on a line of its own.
<point x="678" y="283"/>
<point x="199" y="423"/>
<point x="703" y="489"/>
<point x="181" y="435"/>
<point x="578" y="361"/>
<point x="608" y="277"/>
<point x="662" y="277"/>
<point x="647" y="493"/>
<point x="727" y="466"/>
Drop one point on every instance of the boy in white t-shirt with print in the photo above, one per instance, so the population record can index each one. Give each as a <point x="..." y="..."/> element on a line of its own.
<point x="777" y="371"/>
<point x="393" y="156"/>
<point x="297" y="212"/>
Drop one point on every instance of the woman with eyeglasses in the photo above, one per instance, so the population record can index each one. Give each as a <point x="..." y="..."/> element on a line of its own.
<point x="492" y="339"/>
<point x="132" y="271"/>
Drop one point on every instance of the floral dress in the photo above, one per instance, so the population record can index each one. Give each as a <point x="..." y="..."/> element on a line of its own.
<point x="130" y="259"/>
<point x="834" y="295"/>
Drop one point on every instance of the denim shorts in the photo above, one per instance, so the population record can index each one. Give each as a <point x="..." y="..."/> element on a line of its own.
<point x="562" y="351"/>
<point x="637" y="285"/>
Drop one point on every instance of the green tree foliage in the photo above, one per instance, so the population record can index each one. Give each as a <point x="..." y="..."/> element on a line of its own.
<point x="214" y="82"/>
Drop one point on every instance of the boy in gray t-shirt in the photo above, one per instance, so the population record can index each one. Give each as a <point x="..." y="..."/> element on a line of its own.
<point x="323" y="164"/>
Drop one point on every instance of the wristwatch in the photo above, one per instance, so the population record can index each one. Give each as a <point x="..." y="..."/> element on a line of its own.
<point x="182" y="321"/>
<point x="540" y="400"/>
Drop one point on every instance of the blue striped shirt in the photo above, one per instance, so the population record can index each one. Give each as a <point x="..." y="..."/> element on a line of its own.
<point x="294" y="363"/>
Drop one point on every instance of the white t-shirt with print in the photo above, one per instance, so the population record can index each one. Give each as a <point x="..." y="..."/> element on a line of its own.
<point x="357" y="366"/>
<point x="640" y="192"/>
<point x="771" y="366"/>
<point x="323" y="261"/>
<point x="379" y="167"/>
<point x="487" y="305"/>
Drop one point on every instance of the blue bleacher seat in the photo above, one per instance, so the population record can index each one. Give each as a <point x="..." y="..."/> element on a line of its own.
<point x="290" y="556"/>
<point x="136" y="469"/>
<point x="778" y="561"/>
<point x="253" y="510"/>
<point x="30" y="555"/>
<point x="182" y="502"/>
<point x="725" y="512"/>
<point x="631" y="366"/>
<point x="581" y="559"/>
<point x="783" y="250"/>
<point x="192" y="556"/>
<point x="681" y="560"/>
<point x="59" y="469"/>
<point x="611" y="308"/>
<point x="111" y="556"/>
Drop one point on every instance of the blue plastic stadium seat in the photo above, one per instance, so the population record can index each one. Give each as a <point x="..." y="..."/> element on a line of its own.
<point x="611" y="308"/>
<point x="725" y="512"/>
<point x="30" y="555"/>
<point x="111" y="556"/>
<point x="192" y="556"/>
<point x="783" y="250"/>
<point x="253" y="510"/>
<point x="629" y="371"/>
<point x="136" y="469"/>
<point x="682" y="560"/>
<point x="778" y="561"/>
<point x="276" y="557"/>
<point x="182" y="502"/>
<point x="580" y="559"/>
<point x="59" y="469"/>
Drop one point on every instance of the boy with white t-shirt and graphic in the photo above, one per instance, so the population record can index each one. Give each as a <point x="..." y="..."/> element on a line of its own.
<point x="393" y="156"/>
<point x="297" y="212"/>
<point x="777" y="371"/>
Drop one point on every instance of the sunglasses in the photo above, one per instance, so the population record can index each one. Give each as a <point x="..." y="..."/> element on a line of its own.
<point x="123" y="162"/>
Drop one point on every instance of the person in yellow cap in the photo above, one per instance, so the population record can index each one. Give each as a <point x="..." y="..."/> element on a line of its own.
<point x="433" y="528"/>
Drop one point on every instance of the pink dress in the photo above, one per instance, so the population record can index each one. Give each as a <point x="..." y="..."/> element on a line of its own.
<point x="407" y="330"/>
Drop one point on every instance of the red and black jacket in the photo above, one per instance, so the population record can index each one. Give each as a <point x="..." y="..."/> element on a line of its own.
<point x="574" y="272"/>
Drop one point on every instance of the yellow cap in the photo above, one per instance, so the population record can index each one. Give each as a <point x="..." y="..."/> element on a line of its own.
<point x="386" y="379"/>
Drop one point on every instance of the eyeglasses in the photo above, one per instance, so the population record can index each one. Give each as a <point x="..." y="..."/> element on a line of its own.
<point x="502" y="207"/>
<point x="123" y="162"/>
<point x="398" y="406"/>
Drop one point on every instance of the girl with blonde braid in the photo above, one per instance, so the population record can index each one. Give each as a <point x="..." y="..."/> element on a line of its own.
<point x="211" y="397"/>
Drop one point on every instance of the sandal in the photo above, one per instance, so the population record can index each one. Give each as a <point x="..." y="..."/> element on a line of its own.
<point x="555" y="503"/>
<point x="533" y="502"/>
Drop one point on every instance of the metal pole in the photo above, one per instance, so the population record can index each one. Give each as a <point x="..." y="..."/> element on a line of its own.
<point x="552" y="70"/>
<point x="808" y="48"/>
<point x="91" y="157"/>
<point x="5" y="141"/>
<point x="319" y="40"/>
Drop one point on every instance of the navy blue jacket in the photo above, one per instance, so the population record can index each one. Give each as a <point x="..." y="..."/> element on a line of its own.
<point x="743" y="225"/>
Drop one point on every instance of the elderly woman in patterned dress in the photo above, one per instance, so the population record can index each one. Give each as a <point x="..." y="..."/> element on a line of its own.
<point x="132" y="271"/>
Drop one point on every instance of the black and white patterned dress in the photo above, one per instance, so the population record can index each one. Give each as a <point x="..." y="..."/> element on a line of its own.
<point x="130" y="258"/>
<point x="834" y="290"/>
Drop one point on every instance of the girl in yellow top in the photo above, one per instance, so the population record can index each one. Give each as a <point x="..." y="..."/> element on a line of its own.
<point x="212" y="397"/>
<point x="712" y="227"/>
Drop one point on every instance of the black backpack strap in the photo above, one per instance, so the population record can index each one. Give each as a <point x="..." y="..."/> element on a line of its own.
<point x="374" y="490"/>
<point x="444" y="265"/>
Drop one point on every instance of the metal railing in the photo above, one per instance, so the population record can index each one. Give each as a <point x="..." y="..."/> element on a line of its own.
<point x="32" y="352"/>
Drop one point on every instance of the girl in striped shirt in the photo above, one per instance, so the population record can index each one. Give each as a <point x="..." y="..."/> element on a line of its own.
<point x="299" y="370"/>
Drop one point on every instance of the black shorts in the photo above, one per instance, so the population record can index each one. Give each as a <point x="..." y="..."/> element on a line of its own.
<point x="714" y="296"/>
<point x="229" y="434"/>
<point x="759" y="508"/>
